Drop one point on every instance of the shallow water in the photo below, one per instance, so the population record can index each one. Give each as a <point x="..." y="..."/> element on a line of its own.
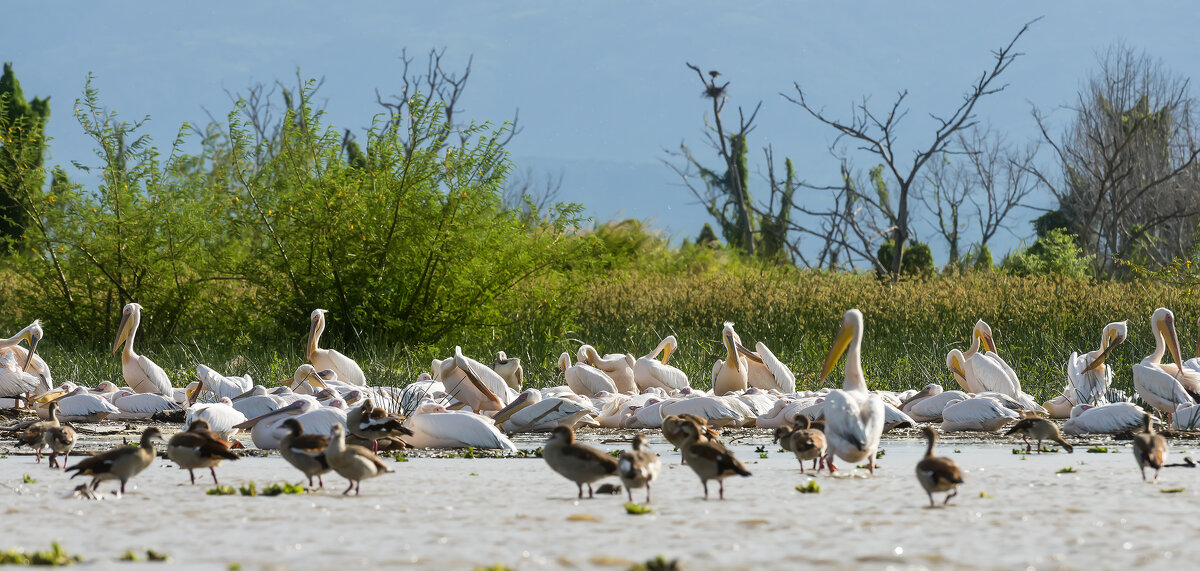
<point x="458" y="513"/>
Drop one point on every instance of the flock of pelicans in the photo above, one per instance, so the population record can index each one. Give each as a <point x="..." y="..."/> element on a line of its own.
<point x="326" y="418"/>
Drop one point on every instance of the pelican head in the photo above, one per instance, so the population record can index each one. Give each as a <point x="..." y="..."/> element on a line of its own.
<point x="852" y="323"/>
<point x="131" y="316"/>
<point x="32" y="334"/>
<point x="1113" y="334"/>
<point x="564" y="361"/>
<point x="582" y="356"/>
<point x="931" y="389"/>
<point x="305" y="372"/>
<point x="954" y="362"/>
<point x="984" y="332"/>
<point x="526" y="398"/>
<point x="1162" y="323"/>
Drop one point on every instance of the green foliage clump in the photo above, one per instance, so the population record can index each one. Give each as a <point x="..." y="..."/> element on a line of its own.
<point x="22" y="149"/>
<point x="917" y="262"/>
<point x="1056" y="253"/>
<point x="53" y="557"/>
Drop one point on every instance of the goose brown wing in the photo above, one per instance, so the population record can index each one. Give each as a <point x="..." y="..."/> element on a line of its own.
<point x="589" y="454"/>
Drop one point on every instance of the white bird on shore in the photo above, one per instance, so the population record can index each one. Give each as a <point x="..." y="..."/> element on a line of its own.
<point x="81" y="406"/>
<point x="765" y="371"/>
<point x="435" y="427"/>
<point x="534" y="412"/>
<point x="474" y="384"/>
<point x="649" y="372"/>
<point x="618" y="367"/>
<point x="15" y="382"/>
<point x="584" y="379"/>
<point x="142" y="374"/>
<point x="1088" y="377"/>
<point x="28" y="359"/>
<point x="1111" y="418"/>
<point x="729" y="374"/>
<point x="221" y="385"/>
<point x="854" y="417"/>
<point x="1160" y="384"/>
<point x="928" y="404"/>
<point x="346" y="368"/>
<point x="139" y="405"/>
<point x="222" y="418"/>
<point x="510" y="369"/>
<point x="980" y="414"/>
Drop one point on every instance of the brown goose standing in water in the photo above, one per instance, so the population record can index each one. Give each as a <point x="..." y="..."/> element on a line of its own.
<point x="353" y="462"/>
<point x="1149" y="448"/>
<point x="1039" y="429"/>
<point x="35" y="436"/>
<point x="638" y="467"/>
<point x="578" y="463"/>
<point x="120" y="463"/>
<point x="936" y="473"/>
<point x="305" y="451"/>
<point x="198" y="447"/>
<point x="708" y="458"/>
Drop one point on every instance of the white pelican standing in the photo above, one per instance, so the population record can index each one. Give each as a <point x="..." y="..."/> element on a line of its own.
<point x="765" y="371"/>
<point x="15" y="382"/>
<point x="853" y="417"/>
<point x="650" y="372"/>
<point x="618" y="367"/>
<point x="584" y="379"/>
<point x="1157" y="383"/>
<point x="141" y="374"/>
<point x="729" y="375"/>
<point x="347" y="370"/>
<point x="28" y="359"/>
<point x="1088" y="377"/>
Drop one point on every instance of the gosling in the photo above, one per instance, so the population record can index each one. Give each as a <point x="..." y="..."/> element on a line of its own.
<point x="61" y="440"/>
<point x="708" y="458"/>
<point x="936" y="473"/>
<point x="35" y="436"/>
<point x="198" y="447"/>
<point x="1149" y="448"/>
<point x="353" y="462"/>
<point x="673" y="434"/>
<point x="305" y="451"/>
<point x="806" y="442"/>
<point x="578" y="463"/>
<point x="120" y="463"/>
<point x="638" y="467"/>
<point x="1039" y="429"/>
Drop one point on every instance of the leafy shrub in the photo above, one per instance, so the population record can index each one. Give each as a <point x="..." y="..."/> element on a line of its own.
<point x="917" y="262"/>
<point x="1056" y="253"/>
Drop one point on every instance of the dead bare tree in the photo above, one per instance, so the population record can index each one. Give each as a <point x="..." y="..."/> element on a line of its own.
<point x="947" y="188"/>
<point x="1001" y="175"/>
<point x="1125" y="173"/>
<point x="436" y="83"/>
<point x="531" y="196"/>
<point x="724" y="195"/>
<point x="878" y="134"/>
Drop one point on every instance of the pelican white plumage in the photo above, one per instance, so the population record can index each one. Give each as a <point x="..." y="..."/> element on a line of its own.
<point x="729" y="374"/>
<point x="1088" y="377"/>
<point x="1105" y="419"/>
<point x="928" y="404"/>
<point x="618" y="367"/>
<point x="15" y="382"/>
<point x="584" y="379"/>
<point x="765" y="371"/>
<point x="141" y="374"/>
<point x="474" y="384"/>
<point x="221" y="385"/>
<point x="139" y="405"/>
<point x="649" y="372"/>
<point x="534" y="412"/>
<point x="510" y="369"/>
<point x="28" y="359"/>
<point x="256" y="402"/>
<point x="435" y="427"/>
<point x="267" y="430"/>
<point x="81" y="406"/>
<point x="222" y="418"/>
<point x="853" y="416"/>
<point x="1160" y="384"/>
<point x="979" y="414"/>
<point x="1192" y="365"/>
<point x="346" y="368"/>
<point x="718" y="411"/>
<point x="420" y="389"/>
<point x="974" y="371"/>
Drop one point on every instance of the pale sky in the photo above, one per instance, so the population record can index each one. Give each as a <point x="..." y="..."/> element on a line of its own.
<point x="602" y="88"/>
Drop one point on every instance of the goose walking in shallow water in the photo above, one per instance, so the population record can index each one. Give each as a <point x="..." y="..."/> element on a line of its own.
<point x="638" y="467"/>
<point x="1149" y="448"/>
<point x="120" y="463"/>
<point x="351" y="461"/>
<point x="576" y="462"/>
<point x="936" y="473"/>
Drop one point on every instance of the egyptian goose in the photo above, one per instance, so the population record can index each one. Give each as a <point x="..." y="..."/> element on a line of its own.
<point x="937" y="474"/>
<point x="1039" y="429"/>
<point x="353" y="462"/>
<point x="708" y="458"/>
<point x="638" y="467"/>
<point x="120" y="463"/>
<point x="199" y="447"/>
<point x="304" y="451"/>
<point x="368" y="422"/>
<point x="35" y="435"/>
<point x="1149" y="448"/>
<point x="579" y="463"/>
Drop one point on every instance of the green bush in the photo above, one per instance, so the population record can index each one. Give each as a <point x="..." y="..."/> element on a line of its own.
<point x="1056" y="253"/>
<point x="917" y="262"/>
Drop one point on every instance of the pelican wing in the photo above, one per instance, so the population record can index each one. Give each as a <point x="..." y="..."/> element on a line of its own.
<point x="715" y="410"/>
<point x="144" y="405"/>
<point x="1107" y="419"/>
<point x="1158" y="388"/>
<point x="895" y="418"/>
<point x="454" y="429"/>
<point x="853" y="423"/>
<point x="657" y="374"/>
<point x="145" y="376"/>
<point x="784" y="379"/>
<point x="1087" y="387"/>
<point x="977" y="414"/>
<point x="587" y="380"/>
